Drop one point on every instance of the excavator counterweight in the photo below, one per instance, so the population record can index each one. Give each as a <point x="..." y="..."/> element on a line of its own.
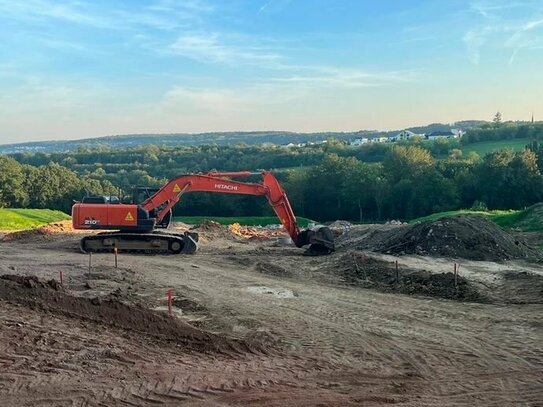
<point x="136" y="224"/>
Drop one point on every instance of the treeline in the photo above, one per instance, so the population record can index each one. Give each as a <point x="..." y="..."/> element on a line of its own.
<point x="46" y="186"/>
<point x="504" y="131"/>
<point x="410" y="183"/>
<point x="324" y="182"/>
<point x="152" y="165"/>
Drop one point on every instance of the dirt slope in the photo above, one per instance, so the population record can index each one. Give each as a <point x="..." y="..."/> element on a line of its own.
<point x="468" y="236"/>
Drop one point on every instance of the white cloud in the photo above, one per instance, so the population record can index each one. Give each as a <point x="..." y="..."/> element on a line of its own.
<point x="211" y="47"/>
<point x="273" y="6"/>
<point x="526" y="36"/>
<point x="162" y="15"/>
<point x="502" y="28"/>
<point x="319" y="76"/>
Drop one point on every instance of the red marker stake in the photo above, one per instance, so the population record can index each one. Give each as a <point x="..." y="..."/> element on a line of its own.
<point x="170" y="301"/>
<point x="61" y="275"/>
<point x="115" y="252"/>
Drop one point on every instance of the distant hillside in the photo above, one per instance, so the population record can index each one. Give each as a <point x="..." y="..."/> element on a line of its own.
<point x="219" y="138"/>
<point x="180" y="139"/>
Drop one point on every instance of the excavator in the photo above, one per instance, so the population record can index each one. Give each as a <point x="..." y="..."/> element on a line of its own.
<point x="136" y="227"/>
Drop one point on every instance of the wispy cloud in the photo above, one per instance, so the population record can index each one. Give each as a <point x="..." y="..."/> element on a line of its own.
<point x="334" y="77"/>
<point x="502" y="26"/>
<point x="525" y="36"/>
<point x="212" y="48"/>
<point x="161" y="15"/>
<point x="273" y="6"/>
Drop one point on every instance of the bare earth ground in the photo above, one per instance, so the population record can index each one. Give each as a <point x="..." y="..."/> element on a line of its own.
<point x="315" y="338"/>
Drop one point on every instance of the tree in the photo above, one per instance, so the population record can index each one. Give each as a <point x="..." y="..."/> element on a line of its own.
<point x="497" y="119"/>
<point x="406" y="162"/>
<point x="52" y="186"/>
<point x="361" y="187"/>
<point x="506" y="179"/>
<point x="12" y="192"/>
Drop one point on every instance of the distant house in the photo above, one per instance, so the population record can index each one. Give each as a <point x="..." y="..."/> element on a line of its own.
<point x="359" y="141"/>
<point x="406" y="135"/>
<point x="446" y="134"/>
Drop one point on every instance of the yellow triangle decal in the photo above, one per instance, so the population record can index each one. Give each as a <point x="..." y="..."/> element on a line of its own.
<point x="129" y="217"/>
<point x="176" y="188"/>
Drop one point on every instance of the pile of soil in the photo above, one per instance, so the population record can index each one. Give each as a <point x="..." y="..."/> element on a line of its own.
<point x="45" y="230"/>
<point x="210" y="230"/>
<point x="340" y="224"/>
<point x="254" y="233"/>
<point x="49" y="296"/>
<point x="363" y="271"/>
<point x="467" y="236"/>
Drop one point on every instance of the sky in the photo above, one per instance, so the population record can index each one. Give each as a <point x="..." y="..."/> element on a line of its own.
<point x="76" y="69"/>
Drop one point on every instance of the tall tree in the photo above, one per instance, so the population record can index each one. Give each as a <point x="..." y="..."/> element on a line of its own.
<point x="12" y="192"/>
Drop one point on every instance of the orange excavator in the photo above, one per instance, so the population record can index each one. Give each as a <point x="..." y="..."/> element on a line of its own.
<point x="136" y="226"/>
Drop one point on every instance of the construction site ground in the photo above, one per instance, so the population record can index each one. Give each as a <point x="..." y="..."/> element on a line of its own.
<point x="256" y="323"/>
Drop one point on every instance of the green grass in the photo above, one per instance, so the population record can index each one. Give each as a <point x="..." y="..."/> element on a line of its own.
<point x="528" y="220"/>
<point x="242" y="220"/>
<point x="18" y="219"/>
<point x="485" y="147"/>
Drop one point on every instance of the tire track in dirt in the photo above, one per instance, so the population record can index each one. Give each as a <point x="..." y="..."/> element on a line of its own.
<point x="336" y="345"/>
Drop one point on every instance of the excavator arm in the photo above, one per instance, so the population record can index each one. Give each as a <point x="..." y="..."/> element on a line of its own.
<point x="171" y="193"/>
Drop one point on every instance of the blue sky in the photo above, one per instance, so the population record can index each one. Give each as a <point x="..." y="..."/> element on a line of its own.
<point x="74" y="69"/>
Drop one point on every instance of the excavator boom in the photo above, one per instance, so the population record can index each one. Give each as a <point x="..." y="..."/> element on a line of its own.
<point x="137" y="222"/>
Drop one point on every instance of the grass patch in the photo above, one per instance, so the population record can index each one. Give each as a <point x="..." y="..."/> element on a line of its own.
<point x="242" y="220"/>
<point x="528" y="220"/>
<point x="484" y="147"/>
<point x="18" y="219"/>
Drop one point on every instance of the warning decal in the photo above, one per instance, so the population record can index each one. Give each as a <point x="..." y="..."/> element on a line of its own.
<point x="129" y="217"/>
<point x="176" y="188"/>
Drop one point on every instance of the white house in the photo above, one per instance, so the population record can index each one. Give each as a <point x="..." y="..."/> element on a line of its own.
<point x="447" y="134"/>
<point x="359" y="141"/>
<point x="406" y="135"/>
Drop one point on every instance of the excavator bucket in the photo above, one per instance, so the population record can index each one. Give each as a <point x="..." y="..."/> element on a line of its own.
<point x="320" y="240"/>
<point x="191" y="243"/>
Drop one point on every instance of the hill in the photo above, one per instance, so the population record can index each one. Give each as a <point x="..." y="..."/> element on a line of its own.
<point x="528" y="220"/>
<point x="17" y="219"/>
<point x="219" y="138"/>
<point x="485" y="147"/>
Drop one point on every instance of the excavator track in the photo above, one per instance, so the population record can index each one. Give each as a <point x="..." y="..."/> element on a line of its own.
<point x="148" y="243"/>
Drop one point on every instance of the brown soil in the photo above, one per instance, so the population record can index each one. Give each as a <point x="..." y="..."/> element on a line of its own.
<point x="64" y="226"/>
<point x="368" y="272"/>
<point x="468" y="237"/>
<point x="49" y="296"/>
<point x="333" y="331"/>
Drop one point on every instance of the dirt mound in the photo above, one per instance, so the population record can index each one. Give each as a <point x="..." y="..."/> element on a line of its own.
<point x="467" y="236"/>
<point x="45" y="230"/>
<point x="210" y="230"/>
<point x="49" y="296"/>
<point x="340" y="224"/>
<point x="363" y="271"/>
<point x="256" y="233"/>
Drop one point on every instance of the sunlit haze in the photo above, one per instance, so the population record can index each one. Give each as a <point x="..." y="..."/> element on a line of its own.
<point x="75" y="69"/>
